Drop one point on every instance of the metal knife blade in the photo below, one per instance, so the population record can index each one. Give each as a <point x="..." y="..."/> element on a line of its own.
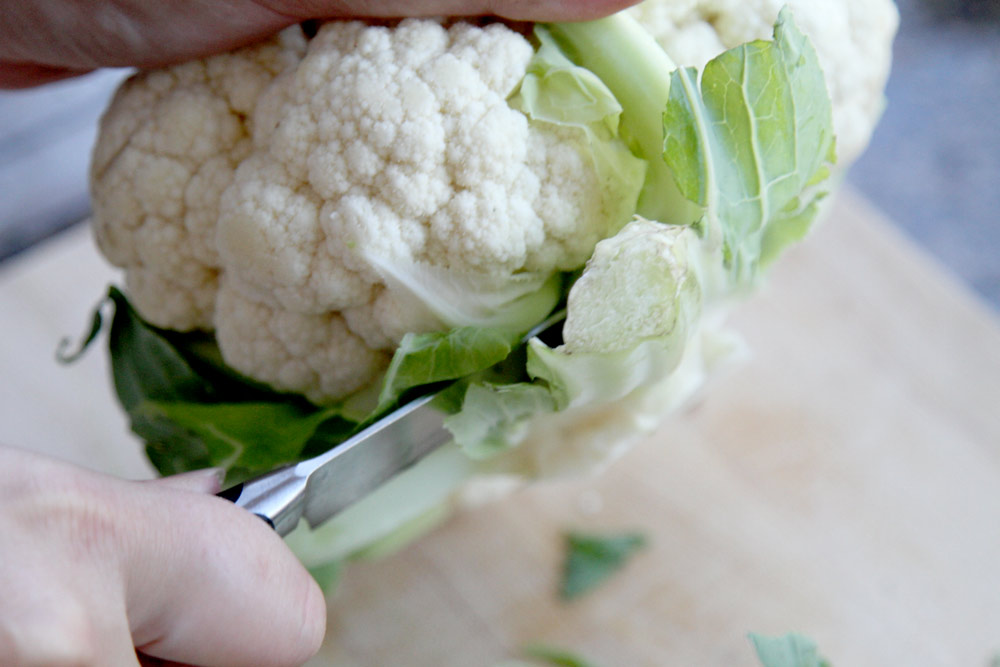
<point x="320" y="487"/>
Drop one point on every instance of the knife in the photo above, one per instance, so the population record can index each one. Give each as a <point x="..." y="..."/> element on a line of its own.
<point x="316" y="489"/>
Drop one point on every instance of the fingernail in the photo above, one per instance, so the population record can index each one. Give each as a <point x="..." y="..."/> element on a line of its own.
<point x="207" y="480"/>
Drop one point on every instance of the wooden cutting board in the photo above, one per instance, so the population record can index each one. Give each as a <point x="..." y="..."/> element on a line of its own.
<point x="844" y="482"/>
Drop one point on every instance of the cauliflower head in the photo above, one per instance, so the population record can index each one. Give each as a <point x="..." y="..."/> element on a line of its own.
<point x="375" y="209"/>
<point x="277" y="213"/>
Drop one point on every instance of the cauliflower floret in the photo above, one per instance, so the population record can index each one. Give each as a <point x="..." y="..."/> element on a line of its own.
<point x="311" y="354"/>
<point x="170" y="142"/>
<point x="407" y="133"/>
<point x="852" y="39"/>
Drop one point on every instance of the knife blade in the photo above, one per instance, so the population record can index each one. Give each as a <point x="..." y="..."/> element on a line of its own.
<point x="318" y="488"/>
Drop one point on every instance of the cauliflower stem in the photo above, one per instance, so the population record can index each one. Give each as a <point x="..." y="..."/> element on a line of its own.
<point x="637" y="70"/>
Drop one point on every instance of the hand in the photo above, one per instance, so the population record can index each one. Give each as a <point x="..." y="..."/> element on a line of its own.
<point x="93" y="569"/>
<point x="45" y="40"/>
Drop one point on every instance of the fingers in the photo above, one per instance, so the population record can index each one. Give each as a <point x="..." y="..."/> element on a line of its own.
<point x="209" y="583"/>
<point x="147" y="661"/>
<point x="25" y="75"/>
<point x="56" y="623"/>
<point x="61" y="595"/>
<point x="41" y="42"/>
<point x="521" y="10"/>
<point x="93" y="567"/>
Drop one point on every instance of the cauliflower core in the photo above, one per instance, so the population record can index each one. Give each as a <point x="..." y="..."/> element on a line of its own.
<point x="264" y="214"/>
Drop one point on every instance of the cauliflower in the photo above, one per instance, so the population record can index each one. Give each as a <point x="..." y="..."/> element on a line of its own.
<point x="312" y="227"/>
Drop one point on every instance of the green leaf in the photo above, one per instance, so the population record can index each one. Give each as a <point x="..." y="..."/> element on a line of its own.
<point x="423" y="359"/>
<point x="592" y="559"/>
<point x="555" y="655"/>
<point x="785" y="229"/>
<point x="169" y="447"/>
<point x="157" y="364"/>
<point x="750" y="140"/>
<point x="791" y="650"/>
<point x="244" y="438"/>
<point x="145" y="365"/>
<point x="495" y="417"/>
<point x="193" y="411"/>
<point x="557" y="91"/>
<point x="201" y="351"/>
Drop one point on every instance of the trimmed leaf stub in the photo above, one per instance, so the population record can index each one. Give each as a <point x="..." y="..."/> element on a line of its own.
<point x="790" y="650"/>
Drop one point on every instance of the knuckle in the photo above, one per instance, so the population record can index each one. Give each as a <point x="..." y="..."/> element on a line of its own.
<point x="81" y="513"/>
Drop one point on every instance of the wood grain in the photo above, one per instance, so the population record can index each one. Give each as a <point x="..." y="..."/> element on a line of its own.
<point x="844" y="482"/>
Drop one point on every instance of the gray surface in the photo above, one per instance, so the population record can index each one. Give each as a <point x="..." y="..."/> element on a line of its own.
<point x="933" y="166"/>
<point x="934" y="162"/>
<point x="46" y="135"/>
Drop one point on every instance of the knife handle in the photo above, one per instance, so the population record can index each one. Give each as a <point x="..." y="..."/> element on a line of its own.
<point x="233" y="493"/>
<point x="276" y="497"/>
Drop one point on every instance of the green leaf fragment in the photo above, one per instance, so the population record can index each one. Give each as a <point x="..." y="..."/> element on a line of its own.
<point x="327" y="575"/>
<point x="790" y="650"/>
<point x="592" y="559"/>
<point x="554" y="655"/>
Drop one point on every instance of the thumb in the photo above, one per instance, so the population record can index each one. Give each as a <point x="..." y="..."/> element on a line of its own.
<point x="209" y="583"/>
